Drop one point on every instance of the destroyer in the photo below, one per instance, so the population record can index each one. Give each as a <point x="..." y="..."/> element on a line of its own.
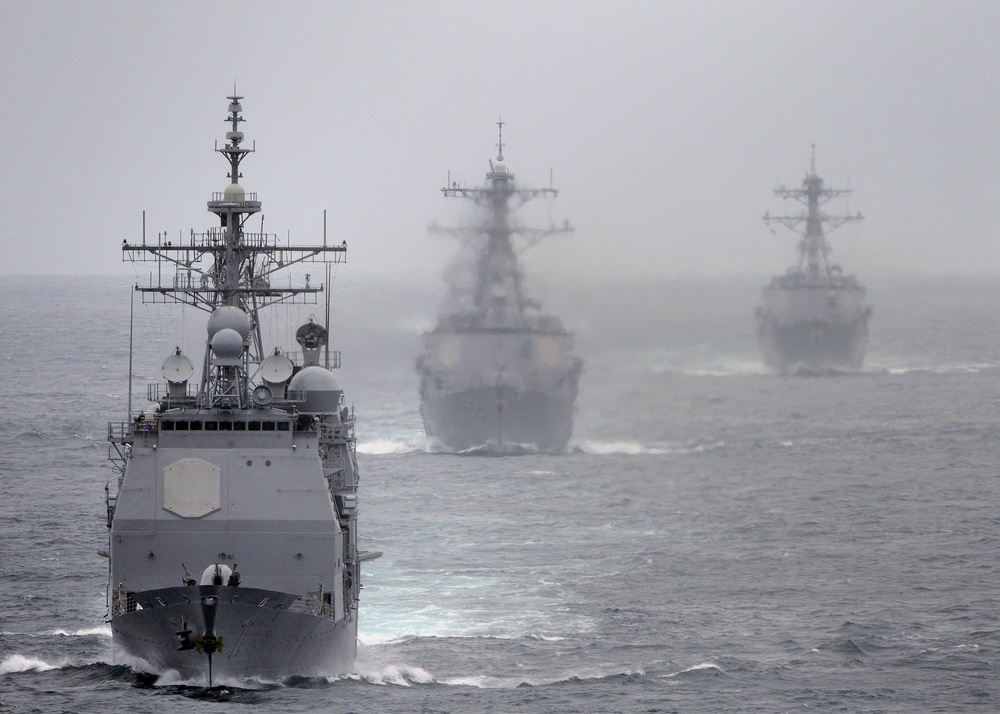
<point x="497" y="373"/>
<point x="813" y="318"/>
<point x="233" y="515"/>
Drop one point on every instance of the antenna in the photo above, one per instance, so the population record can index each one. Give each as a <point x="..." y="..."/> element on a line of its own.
<point x="500" y="142"/>
<point x="812" y="163"/>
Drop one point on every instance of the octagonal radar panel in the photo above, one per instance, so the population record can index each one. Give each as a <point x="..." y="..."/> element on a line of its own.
<point x="231" y="318"/>
<point x="177" y="368"/>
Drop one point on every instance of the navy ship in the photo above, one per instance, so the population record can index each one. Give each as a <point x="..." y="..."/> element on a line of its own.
<point x="814" y="318"/>
<point x="497" y="374"/>
<point x="232" y="506"/>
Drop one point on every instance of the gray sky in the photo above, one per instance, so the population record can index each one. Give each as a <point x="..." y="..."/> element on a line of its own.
<point x="667" y="125"/>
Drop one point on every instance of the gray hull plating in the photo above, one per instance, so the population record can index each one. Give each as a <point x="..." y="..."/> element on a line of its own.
<point x="265" y="635"/>
<point x="500" y="417"/>
<point x="813" y="346"/>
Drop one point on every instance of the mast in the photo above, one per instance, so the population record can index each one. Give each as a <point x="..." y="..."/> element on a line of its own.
<point x="814" y="250"/>
<point x="498" y="264"/>
<point x="230" y="267"/>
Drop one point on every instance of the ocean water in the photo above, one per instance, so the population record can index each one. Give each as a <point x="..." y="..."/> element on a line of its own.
<point x="717" y="539"/>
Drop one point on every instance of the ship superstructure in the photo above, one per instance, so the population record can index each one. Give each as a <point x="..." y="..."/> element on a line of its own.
<point x="232" y="514"/>
<point x="497" y="373"/>
<point x="814" y="318"/>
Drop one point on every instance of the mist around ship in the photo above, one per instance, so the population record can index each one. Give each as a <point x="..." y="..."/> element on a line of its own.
<point x="686" y="337"/>
<point x="712" y="527"/>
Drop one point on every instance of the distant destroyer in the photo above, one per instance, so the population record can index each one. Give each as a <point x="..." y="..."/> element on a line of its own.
<point x="232" y="519"/>
<point x="497" y="373"/>
<point x="813" y="318"/>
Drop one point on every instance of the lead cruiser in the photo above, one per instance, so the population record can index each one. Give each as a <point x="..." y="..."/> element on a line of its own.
<point x="232" y="512"/>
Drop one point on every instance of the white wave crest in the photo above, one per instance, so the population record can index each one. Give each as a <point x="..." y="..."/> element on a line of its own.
<point x="696" y="668"/>
<point x="103" y="631"/>
<point x="938" y="369"/>
<point x="634" y="448"/>
<point x="483" y="681"/>
<point x="400" y="675"/>
<point x="20" y="663"/>
<point x="381" y="447"/>
<point x="629" y="448"/>
<point x="379" y="638"/>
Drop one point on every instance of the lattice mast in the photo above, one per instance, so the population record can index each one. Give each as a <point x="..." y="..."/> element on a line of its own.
<point x="230" y="266"/>
<point x="814" y="250"/>
<point x="501" y="197"/>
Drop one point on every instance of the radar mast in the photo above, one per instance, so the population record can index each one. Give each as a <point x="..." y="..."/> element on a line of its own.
<point x="814" y="249"/>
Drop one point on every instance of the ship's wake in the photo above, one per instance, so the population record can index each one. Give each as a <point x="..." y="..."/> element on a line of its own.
<point x="388" y="447"/>
<point x="406" y="675"/>
<point x="627" y="447"/>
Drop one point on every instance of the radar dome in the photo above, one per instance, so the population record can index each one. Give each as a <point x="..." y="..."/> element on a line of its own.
<point x="314" y="378"/>
<point x="322" y="390"/>
<point x="227" y="346"/>
<point x="500" y="167"/>
<point x="234" y="193"/>
<point x="229" y="317"/>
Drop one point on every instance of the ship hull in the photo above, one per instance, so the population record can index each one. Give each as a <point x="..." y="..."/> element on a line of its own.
<point x="265" y="635"/>
<point x="813" y="346"/>
<point x="500" y="417"/>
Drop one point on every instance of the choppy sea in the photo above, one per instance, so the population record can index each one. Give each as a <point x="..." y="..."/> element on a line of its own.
<point x="718" y="539"/>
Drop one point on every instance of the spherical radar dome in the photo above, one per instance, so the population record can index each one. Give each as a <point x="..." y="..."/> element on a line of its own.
<point x="314" y="379"/>
<point x="229" y="317"/>
<point x="322" y="390"/>
<point x="227" y="346"/>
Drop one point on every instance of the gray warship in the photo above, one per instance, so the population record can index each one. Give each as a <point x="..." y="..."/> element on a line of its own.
<point x="232" y="506"/>
<point x="497" y="374"/>
<point x="814" y="318"/>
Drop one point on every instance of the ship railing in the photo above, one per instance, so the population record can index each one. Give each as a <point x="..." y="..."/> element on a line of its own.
<point x="185" y="252"/>
<point x="249" y="200"/>
<point x="216" y="237"/>
<point x="336" y="432"/>
<point x="120" y="432"/>
<point x="158" y="392"/>
<point x="295" y="396"/>
<point x="341" y="479"/>
<point x="123" y="602"/>
<point x="334" y="465"/>
<point x="296" y="357"/>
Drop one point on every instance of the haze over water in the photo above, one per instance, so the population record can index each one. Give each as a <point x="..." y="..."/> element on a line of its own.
<point x="718" y="538"/>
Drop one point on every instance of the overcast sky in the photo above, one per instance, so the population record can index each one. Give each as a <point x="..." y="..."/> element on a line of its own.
<point x="666" y="125"/>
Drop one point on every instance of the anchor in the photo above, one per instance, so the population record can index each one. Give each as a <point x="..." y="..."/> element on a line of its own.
<point x="209" y="642"/>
